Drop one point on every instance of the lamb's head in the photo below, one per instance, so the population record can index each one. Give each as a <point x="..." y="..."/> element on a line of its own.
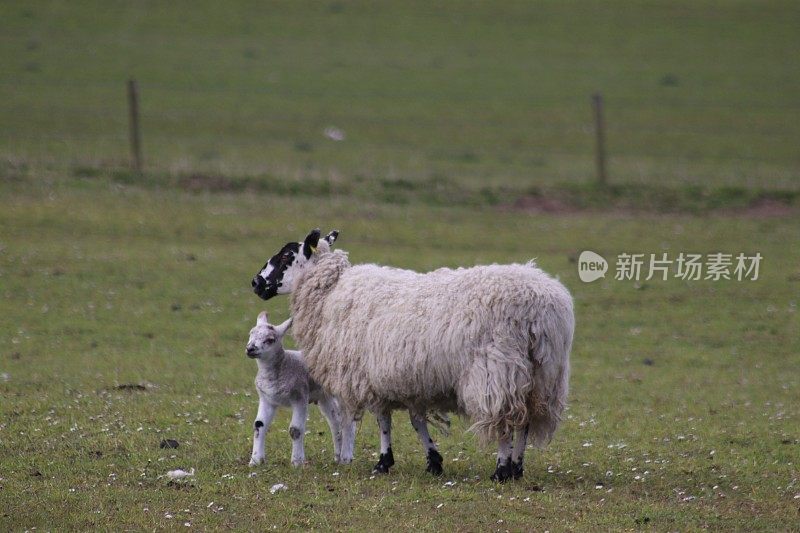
<point x="266" y="339"/>
<point x="279" y="274"/>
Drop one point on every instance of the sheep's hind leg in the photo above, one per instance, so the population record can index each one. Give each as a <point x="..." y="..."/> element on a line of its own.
<point x="519" y="451"/>
<point x="348" y="435"/>
<point x="386" y="459"/>
<point x="420" y="424"/>
<point x="330" y="410"/>
<point x="504" y="470"/>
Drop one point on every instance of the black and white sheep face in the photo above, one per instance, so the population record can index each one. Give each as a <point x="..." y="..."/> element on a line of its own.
<point x="279" y="274"/>
<point x="265" y="339"/>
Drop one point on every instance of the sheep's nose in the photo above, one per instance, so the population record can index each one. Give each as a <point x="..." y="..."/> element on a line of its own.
<point x="252" y="352"/>
<point x="263" y="288"/>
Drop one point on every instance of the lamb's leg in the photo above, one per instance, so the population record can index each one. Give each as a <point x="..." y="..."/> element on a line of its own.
<point x="519" y="451"/>
<point x="329" y="408"/>
<point x="348" y="435"/>
<point x="504" y="470"/>
<point x="420" y="424"/>
<point x="266" y="412"/>
<point x="297" y="431"/>
<point x="386" y="459"/>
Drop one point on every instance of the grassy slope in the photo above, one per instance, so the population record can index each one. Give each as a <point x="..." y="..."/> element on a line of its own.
<point x="698" y="92"/>
<point x="104" y="285"/>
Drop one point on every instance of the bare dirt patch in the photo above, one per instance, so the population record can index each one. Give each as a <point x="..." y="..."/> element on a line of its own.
<point x="767" y="208"/>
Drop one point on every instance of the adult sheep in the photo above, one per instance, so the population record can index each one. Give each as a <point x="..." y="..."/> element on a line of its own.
<point x="489" y="342"/>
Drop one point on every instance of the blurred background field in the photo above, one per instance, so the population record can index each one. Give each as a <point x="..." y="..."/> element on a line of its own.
<point x="701" y="92"/>
<point x="431" y="135"/>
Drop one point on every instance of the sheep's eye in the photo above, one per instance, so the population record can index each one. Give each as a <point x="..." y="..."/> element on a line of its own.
<point x="270" y="340"/>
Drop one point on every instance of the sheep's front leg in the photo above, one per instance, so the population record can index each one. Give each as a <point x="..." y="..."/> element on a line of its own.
<point x="266" y="412"/>
<point x="517" y="454"/>
<point x="386" y="459"/>
<point x="329" y="408"/>
<point x="297" y="431"/>
<point x="434" y="459"/>
<point x="504" y="470"/>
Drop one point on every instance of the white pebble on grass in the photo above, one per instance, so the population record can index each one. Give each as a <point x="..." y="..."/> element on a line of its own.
<point x="180" y="474"/>
<point x="276" y="487"/>
<point x="335" y="134"/>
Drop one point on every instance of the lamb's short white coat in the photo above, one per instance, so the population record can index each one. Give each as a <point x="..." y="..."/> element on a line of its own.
<point x="283" y="381"/>
<point x="490" y="342"/>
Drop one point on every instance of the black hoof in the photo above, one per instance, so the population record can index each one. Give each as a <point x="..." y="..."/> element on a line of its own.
<point x="504" y="472"/>
<point x="434" y="463"/>
<point x="385" y="461"/>
<point x="517" y="469"/>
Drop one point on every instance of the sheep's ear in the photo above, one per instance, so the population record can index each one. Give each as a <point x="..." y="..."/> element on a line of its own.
<point x="311" y="242"/>
<point x="262" y="319"/>
<point x="281" y="330"/>
<point x="332" y="236"/>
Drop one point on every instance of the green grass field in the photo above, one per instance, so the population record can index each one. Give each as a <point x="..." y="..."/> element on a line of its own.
<point x="684" y="401"/>
<point x="125" y="299"/>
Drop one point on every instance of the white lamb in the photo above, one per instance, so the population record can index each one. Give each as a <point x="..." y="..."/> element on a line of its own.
<point x="283" y="380"/>
<point x="490" y="342"/>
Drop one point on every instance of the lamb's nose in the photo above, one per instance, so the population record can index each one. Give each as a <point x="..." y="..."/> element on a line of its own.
<point x="251" y="351"/>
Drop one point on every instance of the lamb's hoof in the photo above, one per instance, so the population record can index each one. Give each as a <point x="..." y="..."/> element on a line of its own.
<point x="434" y="463"/>
<point x="299" y="462"/>
<point x="385" y="461"/>
<point x="517" y="469"/>
<point x="345" y="460"/>
<point x="255" y="461"/>
<point x="504" y="472"/>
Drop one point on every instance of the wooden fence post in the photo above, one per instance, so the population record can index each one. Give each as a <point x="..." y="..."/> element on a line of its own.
<point x="600" y="137"/>
<point x="133" y="119"/>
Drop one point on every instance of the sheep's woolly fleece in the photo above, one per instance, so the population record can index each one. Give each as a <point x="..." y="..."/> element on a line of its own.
<point x="490" y="342"/>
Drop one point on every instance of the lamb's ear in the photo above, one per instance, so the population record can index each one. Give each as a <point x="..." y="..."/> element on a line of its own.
<point x="262" y="319"/>
<point x="281" y="330"/>
<point x="311" y="242"/>
<point x="332" y="236"/>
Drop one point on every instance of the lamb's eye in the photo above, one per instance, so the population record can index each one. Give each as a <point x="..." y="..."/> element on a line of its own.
<point x="270" y="340"/>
